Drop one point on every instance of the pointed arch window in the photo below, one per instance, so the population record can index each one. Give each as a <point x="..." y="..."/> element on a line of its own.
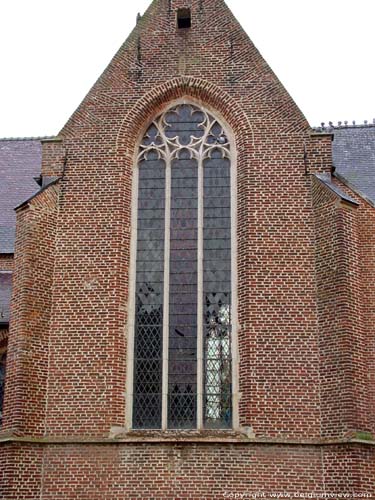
<point x="182" y="374"/>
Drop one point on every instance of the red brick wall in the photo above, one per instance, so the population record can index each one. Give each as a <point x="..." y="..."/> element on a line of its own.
<point x="302" y="366"/>
<point x="367" y="347"/>
<point x="53" y="158"/>
<point x="278" y="344"/>
<point x="198" y="472"/>
<point x="353" y="316"/>
<point x="21" y="468"/>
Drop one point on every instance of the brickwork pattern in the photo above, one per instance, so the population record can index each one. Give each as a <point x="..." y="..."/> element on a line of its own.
<point x="279" y="352"/>
<point x="193" y="472"/>
<point x="304" y="313"/>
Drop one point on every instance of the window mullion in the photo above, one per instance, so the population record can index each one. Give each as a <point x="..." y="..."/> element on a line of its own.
<point x="167" y="237"/>
<point x="200" y="360"/>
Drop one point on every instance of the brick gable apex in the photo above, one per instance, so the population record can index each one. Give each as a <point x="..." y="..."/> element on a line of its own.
<point x="215" y="49"/>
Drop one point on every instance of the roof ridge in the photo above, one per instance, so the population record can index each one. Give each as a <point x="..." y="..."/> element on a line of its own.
<point x="37" y="138"/>
<point x="343" y="125"/>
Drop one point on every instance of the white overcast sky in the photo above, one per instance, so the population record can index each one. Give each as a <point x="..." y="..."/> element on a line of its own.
<point x="52" y="53"/>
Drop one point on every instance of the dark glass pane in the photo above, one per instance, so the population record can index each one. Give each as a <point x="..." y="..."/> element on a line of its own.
<point x="184" y="182"/>
<point x="154" y="270"/>
<point x="213" y="213"/>
<point x="148" y="171"/>
<point x="215" y="274"/>
<point x="147" y="185"/>
<point x="217" y="293"/>
<point x="215" y="182"/>
<point x="182" y="377"/>
<point x="217" y="244"/>
<point x="152" y="204"/>
<point x="176" y="291"/>
<point x="223" y="255"/>
<point x="149" y="277"/>
<point x="217" y="222"/>
<point x="183" y="244"/>
<point x="186" y="221"/>
<point x="147" y="401"/>
<point x="182" y="342"/>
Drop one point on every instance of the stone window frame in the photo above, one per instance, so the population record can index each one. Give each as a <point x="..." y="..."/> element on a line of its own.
<point x="132" y="271"/>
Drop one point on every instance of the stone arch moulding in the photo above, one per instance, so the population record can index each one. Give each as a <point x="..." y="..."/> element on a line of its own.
<point x="196" y="90"/>
<point x="232" y="116"/>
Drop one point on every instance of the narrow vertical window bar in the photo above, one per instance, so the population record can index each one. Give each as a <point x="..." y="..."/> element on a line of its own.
<point x="200" y="353"/>
<point x="234" y="310"/>
<point x="168" y="176"/>
<point x="200" y="312"/>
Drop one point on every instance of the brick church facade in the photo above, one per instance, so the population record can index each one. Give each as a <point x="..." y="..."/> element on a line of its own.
<point x="192" y="288"/>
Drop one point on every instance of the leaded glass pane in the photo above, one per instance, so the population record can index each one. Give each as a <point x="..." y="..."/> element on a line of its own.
<point x="217" y="295"/>
<point x="147" y="400"/>
<point x="182" y="376"/>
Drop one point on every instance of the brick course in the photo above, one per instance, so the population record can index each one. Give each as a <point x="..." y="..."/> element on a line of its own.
<point x="306" y="337"/>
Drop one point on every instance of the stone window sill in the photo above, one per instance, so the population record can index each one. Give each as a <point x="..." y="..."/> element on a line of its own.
<point x="180" y="435"/>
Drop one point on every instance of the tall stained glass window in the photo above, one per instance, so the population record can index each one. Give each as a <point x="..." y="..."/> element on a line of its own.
<point x="182" y="372"/>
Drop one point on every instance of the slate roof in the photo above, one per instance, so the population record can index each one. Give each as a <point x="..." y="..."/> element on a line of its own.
<point x="20" y="162"/>
<point x="354" y="157"/>
<point x="5" y="295"/>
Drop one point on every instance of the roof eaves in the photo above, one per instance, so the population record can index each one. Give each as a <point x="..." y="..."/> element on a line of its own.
<point x="326" y="180"/>
<point x="56" y="138"/>
<point x="46" y="186"/>
<point x="354" y="188"/>
<point x="321" y="133"/>
<point x="41" y="138"/>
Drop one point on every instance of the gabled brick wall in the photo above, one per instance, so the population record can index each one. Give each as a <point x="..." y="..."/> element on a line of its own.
<point x="302" y="370"/>
<point x="278" y="323"/>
